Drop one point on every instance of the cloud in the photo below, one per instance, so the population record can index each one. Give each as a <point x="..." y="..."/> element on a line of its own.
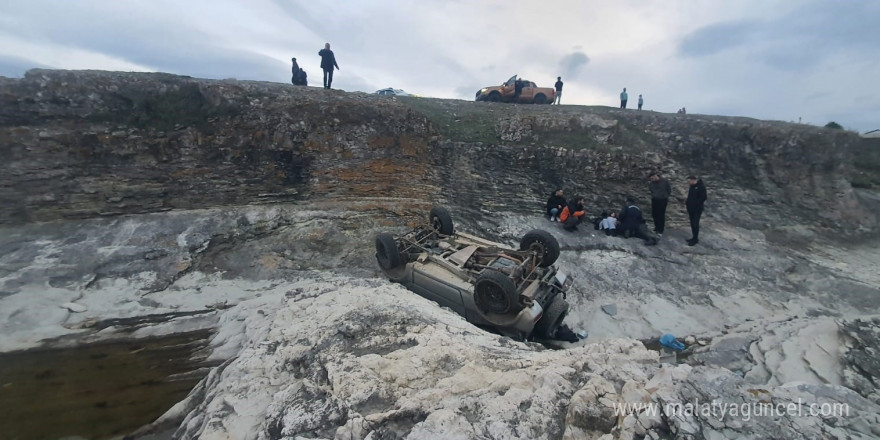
<point x="467" y="92"/>
<point x="573" y="64"/>
<point x="761" y="58"/>
<point x="715" y="38"/>
<point x="15" y="67"/>
<point x="800" y="39"/>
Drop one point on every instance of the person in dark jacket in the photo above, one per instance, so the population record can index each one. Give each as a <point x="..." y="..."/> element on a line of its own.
<point x="632" y="223"/>
<point x="695" y="201"/>
<point x="660" y="192"/>
<point x="303" y="78"/>
<point x="517" y="89"/>
<point x="555" y="205"/>
<point x="294" y="72"/>
<point x="328" y="62"/>
<point x="573" y="214"/>
<point x="558" y="90"/>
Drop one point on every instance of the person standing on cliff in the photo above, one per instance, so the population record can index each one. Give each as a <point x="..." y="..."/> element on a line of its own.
<point x="660" y="191"/>
<point x="517" y="89"/>
<point x="641" y="101"/>
<point x="294" y="72"/>
<point x="623" y="98"/>
<point x="695" y="201"/>
<point x="328" y="62"/>
<point x="558" y="90"/>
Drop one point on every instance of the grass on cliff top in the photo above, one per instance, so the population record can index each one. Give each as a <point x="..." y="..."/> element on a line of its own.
<point x="458" y="122"/>
<point x="473" y="122"/>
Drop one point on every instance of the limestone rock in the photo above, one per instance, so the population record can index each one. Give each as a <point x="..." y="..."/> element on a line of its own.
<point x="74" y="307"/>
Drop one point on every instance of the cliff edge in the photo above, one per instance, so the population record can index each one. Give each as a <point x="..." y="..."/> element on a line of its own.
<point x="82" y="144"/>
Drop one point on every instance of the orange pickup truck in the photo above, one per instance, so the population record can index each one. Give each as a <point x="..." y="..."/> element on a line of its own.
<point x="530" y="94"/>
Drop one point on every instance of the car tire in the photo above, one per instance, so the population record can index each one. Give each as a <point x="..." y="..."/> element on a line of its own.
<point x="544" y="242"/>
<point x="387" y="253"/>
<point x="441" y="220"/>
<point x="540" y="99"/>
<point x="552" y="319"/>
<point x="495" y="97"/>
<point x="495" y="292"/>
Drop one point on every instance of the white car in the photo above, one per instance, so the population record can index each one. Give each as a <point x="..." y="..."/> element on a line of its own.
<point x="517" y="292"/>
<point x="392" y="92"/>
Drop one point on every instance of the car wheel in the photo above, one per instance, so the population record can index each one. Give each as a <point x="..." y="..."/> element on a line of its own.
<point x="552" y="319"/>
<point x="387" y="253"/>
<point x="495" y="97"/>
<point x="495" y="292"/>
<point x="543" y="243"/>
<point x="540" y="99"/>
<point x="441" y="220"/>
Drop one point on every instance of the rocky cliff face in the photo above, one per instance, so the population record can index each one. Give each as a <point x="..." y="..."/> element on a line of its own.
<point x="86" y="144"/>
<point x="144" y="204"/>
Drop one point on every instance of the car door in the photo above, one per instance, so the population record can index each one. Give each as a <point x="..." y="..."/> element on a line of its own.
<point x="435" y="289"/>
<point x="508" y="89"/>
<point x="528" y="92"/>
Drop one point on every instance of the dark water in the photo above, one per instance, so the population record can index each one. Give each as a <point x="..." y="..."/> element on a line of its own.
<point x="97" y="391"/>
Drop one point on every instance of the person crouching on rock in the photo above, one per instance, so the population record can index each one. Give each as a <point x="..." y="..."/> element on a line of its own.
<point x="573" y="214"/>
<point x="555" y="205"/>
<point x="632" y="223"/>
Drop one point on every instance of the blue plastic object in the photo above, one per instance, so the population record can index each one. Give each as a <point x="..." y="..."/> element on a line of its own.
<point x="669" y="341"/>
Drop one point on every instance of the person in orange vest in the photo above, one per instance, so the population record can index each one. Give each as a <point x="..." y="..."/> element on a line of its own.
<point x="573" y="214"/>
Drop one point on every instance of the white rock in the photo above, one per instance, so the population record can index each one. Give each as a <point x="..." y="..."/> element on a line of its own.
<point x="634" y="393"/>
<point x="681" y="372"/>
<point x="661" y="379"/>
<point x="649" y="421"/>
<point x="74" y="307"/>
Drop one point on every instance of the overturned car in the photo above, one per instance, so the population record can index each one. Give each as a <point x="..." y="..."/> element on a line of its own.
<point x="516" y="292"/>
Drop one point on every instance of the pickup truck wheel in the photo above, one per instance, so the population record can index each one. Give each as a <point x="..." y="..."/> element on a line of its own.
<point x="495" y="292"/>
<point x="441" y="220"/>
<point x="540" y="99"/>
<point x="545" y="244"/>
<point x="387" y="253"/>
<point x="552" y="319"/>
<point x="495" y="97"/>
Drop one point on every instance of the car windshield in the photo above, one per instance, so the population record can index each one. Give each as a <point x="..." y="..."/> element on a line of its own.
<point x="510" y="81"/>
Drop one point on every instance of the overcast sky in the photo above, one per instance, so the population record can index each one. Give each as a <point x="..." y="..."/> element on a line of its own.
<point x="816" y="60"/>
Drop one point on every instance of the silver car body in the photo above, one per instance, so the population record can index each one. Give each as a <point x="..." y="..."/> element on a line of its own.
<point x="443" y="280"/>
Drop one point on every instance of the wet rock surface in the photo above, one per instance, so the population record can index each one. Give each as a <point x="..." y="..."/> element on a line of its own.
<point x="252" y="213"/>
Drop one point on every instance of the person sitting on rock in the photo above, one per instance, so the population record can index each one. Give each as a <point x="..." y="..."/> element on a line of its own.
<point x="573" y="214"/>
<point x="609" y="224"/>
<point x="632" y="223"/>
<point x="555" y="205"/>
